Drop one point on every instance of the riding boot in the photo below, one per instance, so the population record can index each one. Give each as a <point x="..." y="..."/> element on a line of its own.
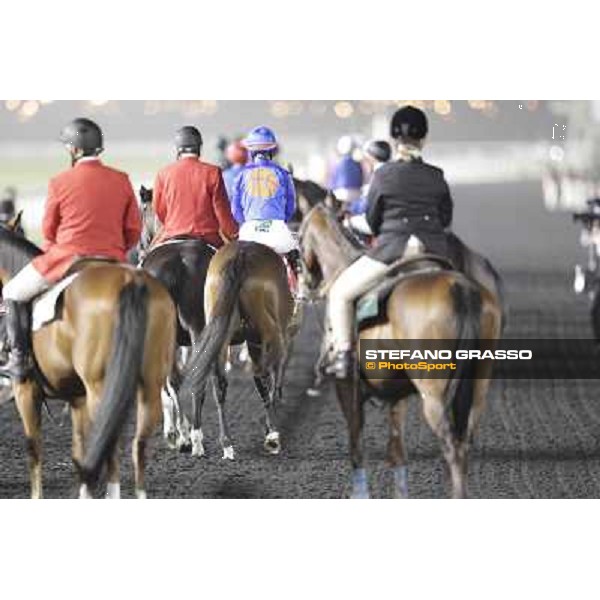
<point x="341" y="366"/>
<point x="17" y="333"/>
<point x="293" y="258"/>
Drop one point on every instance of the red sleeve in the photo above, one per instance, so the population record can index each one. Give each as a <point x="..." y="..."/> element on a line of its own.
<point x="158" y="204"/>
<point x="227" y="224"/>
<point x="51" y="219"/>
<point x="133" y="219"/>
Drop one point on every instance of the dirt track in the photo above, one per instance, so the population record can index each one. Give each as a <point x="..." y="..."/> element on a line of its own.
<point x="538" y="438"/>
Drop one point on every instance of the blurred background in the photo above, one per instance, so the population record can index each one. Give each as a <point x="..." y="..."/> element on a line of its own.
<point x="517" y="168"/>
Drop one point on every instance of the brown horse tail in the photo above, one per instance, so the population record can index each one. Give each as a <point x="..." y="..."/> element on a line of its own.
<point x="121" y="379"/>
<point x="216" y="334"/>
<point x="466" y="298"/>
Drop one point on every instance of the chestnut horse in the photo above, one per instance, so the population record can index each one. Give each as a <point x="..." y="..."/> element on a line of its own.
<point x="431" y="303"/>
<point x="113" y="341"/>
<point x="246" y="298"/>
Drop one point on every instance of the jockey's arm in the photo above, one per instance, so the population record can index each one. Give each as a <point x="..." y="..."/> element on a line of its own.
<point x="51" y="220"/>
<point x="133" y="219"/>
<point x="158" y="205"/>
<point x="290" y="194"/>
<point x="374" y="212"/>
<point x="236" y="200"/>
<point x="446" y="208"/>
<point x="228" y="228"/>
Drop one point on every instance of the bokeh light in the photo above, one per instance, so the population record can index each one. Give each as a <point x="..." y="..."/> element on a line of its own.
<point x="343" y="109"/>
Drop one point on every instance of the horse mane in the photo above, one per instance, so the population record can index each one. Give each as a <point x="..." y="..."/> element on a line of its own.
<point x="312" y="191"/>
<point x="15" y="250"/>
<point x="349" y="244"/>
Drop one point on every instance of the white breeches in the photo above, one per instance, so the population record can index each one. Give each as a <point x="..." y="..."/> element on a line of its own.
<point x="274" y="234"/>
<point x="25" y="285"/>
<point x="356" y="280"/>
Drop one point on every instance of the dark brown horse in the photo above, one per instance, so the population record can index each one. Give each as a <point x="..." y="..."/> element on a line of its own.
<point x="181" y="266"/>
<point x="112" y="342"/>
<point x="433" y="303"/>
<point x="246" y="298"/>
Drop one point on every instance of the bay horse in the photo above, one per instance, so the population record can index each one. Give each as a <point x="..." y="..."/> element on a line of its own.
<point x="112" y="342"/>
<point x="181" y="266"/>
<point x="431" y="303"/>
<point x="246" y="298"/>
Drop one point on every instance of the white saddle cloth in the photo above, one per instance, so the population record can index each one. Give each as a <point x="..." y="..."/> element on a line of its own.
<point x="44" y="307"/>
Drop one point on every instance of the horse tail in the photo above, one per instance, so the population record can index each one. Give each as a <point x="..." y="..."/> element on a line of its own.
<point x="216" y="333"/>
<point x="466" y="299"/>
<point x="121" y="379"/>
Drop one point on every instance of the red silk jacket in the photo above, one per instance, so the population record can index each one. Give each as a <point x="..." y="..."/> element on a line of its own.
<point x="189" y="198"/>
<point x="91" y="210"/>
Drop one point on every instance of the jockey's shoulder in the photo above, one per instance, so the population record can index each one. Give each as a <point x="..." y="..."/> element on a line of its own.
<point x="64" y="177"/>
<point x="185" y="164"/>
<point x="399" y="166"/>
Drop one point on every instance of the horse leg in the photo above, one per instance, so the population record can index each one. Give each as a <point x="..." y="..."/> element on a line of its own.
<point x="113" y="472"/>
<point x="80" y="420"/>
<point x="352" y="406"/>
<point x="219" y="382"/>
<point x="176" y="428"/>
<point x="29" y="404"/>
<point x="453" y="449"/>
<point x="148" y="418"/>
<point x="396" y="453"/>
<point x="265" y="386"/>
<point x="196" y="435"/>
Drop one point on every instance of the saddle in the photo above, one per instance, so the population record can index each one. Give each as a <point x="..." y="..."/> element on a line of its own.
<point x="371" y="306"/>
<point x="47" y="307"/>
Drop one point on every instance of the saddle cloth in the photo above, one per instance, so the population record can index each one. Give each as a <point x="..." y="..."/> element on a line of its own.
<point x="371" y="305"/>
<point x="44" y="309"/>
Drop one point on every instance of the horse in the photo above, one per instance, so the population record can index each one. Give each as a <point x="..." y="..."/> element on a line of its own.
<point x="181" y="266"/>
<point x="246" y="298"/>
<point x="432" y="302"/>
<point x="112" y="341"/>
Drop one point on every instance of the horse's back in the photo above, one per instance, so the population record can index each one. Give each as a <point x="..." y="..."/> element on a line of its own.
<point x="425" y="305"/>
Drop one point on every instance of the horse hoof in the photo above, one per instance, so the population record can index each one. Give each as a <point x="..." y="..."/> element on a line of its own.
<point x="197" y="445"/>
<point x="228" y="453"/>
<point x="171" y="440"/>
<point x="313" y="392"/>
<point x="272" y="443"/>
<point x="185" y="447"/>
<point x="360" y="495"/>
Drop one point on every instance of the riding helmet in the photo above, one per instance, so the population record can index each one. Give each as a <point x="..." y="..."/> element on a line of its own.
<point x="83" y="134"/>
<point x="236" y="154"/>
<point x="260" y="139"/>
<point x="380" y="150"/>
<point x="188" y="139"/>
<point x="409" y="122"/>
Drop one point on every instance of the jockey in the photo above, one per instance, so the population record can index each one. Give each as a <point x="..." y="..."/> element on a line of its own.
<point x="189" y="196"/>
<point x="91" y="211"/>
<point x="237" y="155"/>
<point x="406" y="197"/>
<point x="347" y="177"/>
<point x="264" y="198"/>
<point x="8" y="210"/>
<point x="377" y="153"/>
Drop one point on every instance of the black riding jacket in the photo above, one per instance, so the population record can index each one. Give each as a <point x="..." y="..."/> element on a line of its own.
<point x="406" y="198"/>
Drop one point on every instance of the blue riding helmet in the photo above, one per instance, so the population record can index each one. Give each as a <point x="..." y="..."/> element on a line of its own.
<point x="260" y="139"/>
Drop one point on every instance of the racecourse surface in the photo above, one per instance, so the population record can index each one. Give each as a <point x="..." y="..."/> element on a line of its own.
<point x="538" y="438"/>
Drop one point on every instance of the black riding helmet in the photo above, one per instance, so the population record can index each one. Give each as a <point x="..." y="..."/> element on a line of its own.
<point x="409" y="122"/>
<point x="85" y="135"/>
<point x="380" y="150"/>
<point x="188" y="139"/>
